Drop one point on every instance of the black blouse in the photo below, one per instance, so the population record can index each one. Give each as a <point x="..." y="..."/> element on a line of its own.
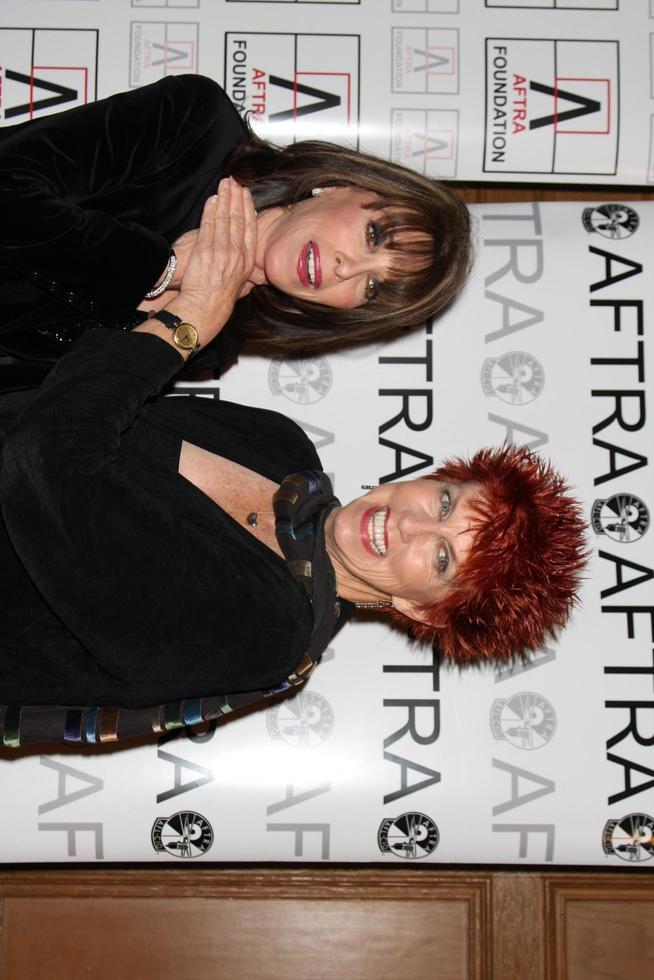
<point x="91" y="200"/>
<point x="122" y="582"/>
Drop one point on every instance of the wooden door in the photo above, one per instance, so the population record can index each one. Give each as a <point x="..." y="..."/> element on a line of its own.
<point x="326" y="924"/>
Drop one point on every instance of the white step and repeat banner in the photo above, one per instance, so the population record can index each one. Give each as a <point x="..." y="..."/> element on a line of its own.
<point x="384" y="757"/>
<point x="526" y="90"/>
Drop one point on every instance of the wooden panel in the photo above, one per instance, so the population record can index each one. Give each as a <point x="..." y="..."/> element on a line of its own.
<point x="206" y="938"/>
<point x="498" y="193"/>
<point x="518" y="926"/>
<point x="602" y="929"/>
<point x="361" y="924"/>
<point x="327" y="923"/>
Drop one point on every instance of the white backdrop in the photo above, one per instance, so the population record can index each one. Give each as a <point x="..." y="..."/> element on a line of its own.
<point x="527" y="90"/>
<point x="548" y="763"/>
<point x="383" y="757"/>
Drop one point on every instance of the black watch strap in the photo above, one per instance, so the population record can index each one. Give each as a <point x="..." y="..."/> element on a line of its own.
<point x="168" y="319"/>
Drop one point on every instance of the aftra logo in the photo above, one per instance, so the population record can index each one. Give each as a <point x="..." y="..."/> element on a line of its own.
<point x="411" y="835"/>
<point x="166" y="3"/>
<point x="186" y="834"/>
<point x="623" y="517"/>
<point x="354" y="2"/>
<point x="304" y="721"/>
<point x="560" y="4"/>
<point x="516" y="377"/>
<point x="31" y="107"/>
<point x="630" y="838"/>
<point x="582" y="106"/>
<point x="321" y="99"/>
<point x="297" y="86"/>
<point x="551" y="106"/>
<point x="301" y="380"/>
<point x="425" y="60"/>
<point x="611" y="220"/>
<point x="526" y="720"/>
<point x="426" y="6"/>
<point x="44" y="71"/>
<point x="159" y="48"/>
<point x="426" y="139"/>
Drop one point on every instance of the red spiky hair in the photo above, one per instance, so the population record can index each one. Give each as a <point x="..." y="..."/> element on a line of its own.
<point x="520" y="580"/>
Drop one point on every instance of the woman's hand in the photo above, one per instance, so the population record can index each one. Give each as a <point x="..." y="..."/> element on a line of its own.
<point x="182" y="248"/>
<point x="158" y="303"/>
<point x="221" y="259"/>
<point x="222" y="256"/>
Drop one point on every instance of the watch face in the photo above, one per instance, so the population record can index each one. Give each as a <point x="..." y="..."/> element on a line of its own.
<point x="185" y="336"/>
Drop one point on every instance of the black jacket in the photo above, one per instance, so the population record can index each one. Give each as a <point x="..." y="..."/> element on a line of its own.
<point x="91" y="200"/>
<point x="123" y="583"/>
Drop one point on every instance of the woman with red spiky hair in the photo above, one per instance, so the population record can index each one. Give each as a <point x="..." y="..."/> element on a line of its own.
<point x="165" y="561"/>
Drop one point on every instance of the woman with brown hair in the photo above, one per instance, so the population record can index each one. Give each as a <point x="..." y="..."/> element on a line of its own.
<point x="101" y="206"/>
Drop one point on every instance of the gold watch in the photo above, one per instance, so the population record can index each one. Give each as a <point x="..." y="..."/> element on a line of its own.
<point x="185" y="335"/>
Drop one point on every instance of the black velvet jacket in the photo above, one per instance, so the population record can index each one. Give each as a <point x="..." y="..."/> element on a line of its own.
<point x="122" y="583"/>
<point x="91" y="200"/>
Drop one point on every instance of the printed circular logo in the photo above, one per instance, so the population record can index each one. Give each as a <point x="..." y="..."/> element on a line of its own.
<point x="611" y="220"/>
<point x="630" y="838"/>
<point x="516" y="377"/>
<point x="304" y="721"/>
<point x="185" y="835"/>
<point x="412" y="835"/>
<point x="622" y="517"/>
<point x="526" y="720"/>
<point x="301" y="380"/>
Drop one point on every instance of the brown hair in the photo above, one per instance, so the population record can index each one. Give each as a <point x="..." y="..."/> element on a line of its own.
<point x="430" y="267"/>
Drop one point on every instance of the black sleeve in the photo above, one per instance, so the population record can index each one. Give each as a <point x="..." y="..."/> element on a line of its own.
<point x="161" y="600"/>
<point x="78" y="189"/>
<point x="76" y="420"/>
<point x="71" y="507"/>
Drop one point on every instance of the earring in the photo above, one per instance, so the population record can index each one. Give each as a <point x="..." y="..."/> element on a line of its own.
<point x="369" y="486"/>
<point x="371" y="605"/>
<point x="316" y="191"/>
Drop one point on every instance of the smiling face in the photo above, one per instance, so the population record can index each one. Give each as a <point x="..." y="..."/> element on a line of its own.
<point x="403" y="542"/>
<point x="326" y="249"/>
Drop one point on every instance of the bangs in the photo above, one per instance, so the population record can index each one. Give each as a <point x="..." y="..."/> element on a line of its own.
<point x="408" y="238"/>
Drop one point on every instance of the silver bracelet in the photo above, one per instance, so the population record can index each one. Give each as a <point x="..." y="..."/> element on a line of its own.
<point x="167" y="279"/>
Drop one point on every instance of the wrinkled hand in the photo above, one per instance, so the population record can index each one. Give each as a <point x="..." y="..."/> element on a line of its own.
<point x="158" y="302"/>
<point x="182" y="248"/>
<point x="220" y="261"/>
